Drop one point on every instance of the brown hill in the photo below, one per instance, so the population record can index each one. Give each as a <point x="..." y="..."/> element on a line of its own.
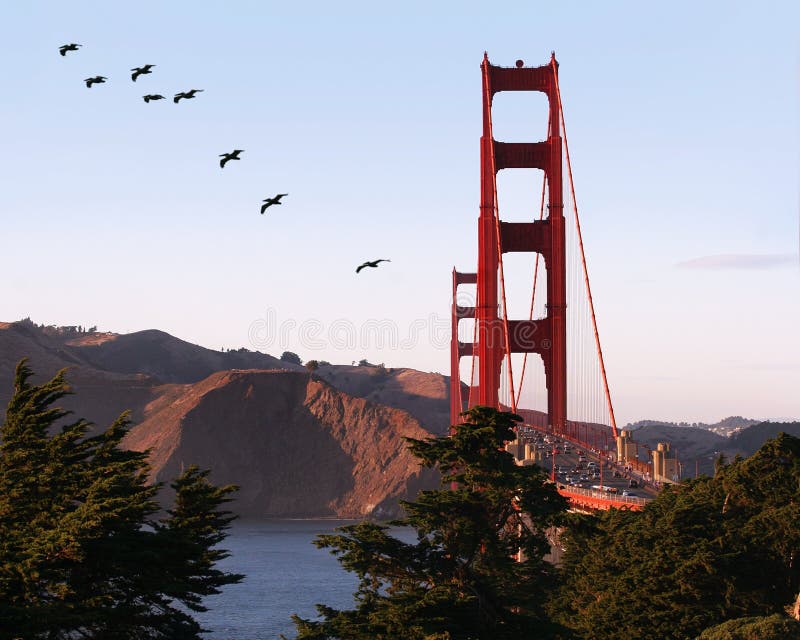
<point x="100" y="396"/>
<point x="424" y="395"/>
<point x="110" y="372"/>
<point x="165" y="357"/>
<point x="297" y="446"/>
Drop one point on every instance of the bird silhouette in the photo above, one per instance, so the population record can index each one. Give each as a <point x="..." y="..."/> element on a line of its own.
<point x="233" y="155"/>
<point x="95" y="80"/>
<point x="138" y="71"/>
<point x="152" y="96"/>
<point x="371" y="263"/>
<point x="68" y="47"/>
<point x="185" y="94"/>
<point x="268" y="202"/>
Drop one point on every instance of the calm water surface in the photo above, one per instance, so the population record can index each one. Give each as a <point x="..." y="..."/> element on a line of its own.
<point x="285" y="574"/>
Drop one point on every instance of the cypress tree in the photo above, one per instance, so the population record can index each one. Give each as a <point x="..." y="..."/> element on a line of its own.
<point x="477" y="569"/>
<point x="82" y="553"/>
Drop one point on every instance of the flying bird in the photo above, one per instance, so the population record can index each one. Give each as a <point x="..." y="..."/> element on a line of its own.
<point x="233" y="155"/>
<point x="138" y="71"/>
<point x="185" y="94"/>
<point x="95" y="80"/>
<point x="68" y="47"/>
<point x="373" y="263"/>
<point x="268" y="202"/>
<point x="152" y="96"/>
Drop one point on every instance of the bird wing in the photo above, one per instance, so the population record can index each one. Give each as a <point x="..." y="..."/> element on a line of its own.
<point x="134" y="76"/>
<point x="264" y="208"/>
<point x="222" y="162"/>
<point x="177" y="98"/>
<point x="63" y="51"/>
<point x="360" y="267"/>
<point x="146" y="98"/>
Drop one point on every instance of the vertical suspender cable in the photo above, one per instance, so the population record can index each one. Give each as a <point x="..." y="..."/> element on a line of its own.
<point x="583" y="261"/>
<point x="535" y="273"/>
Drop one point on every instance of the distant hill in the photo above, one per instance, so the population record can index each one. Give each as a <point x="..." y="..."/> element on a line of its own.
<point x="749" y="440"/>
<point x="167" y="358"/>
<point x="698" y="448"/>
<point x="724" y="427"/>
<point x="101" y="395"/>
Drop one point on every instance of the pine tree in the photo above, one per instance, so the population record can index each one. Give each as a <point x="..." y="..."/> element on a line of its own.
<point x="82" y="553"/>
<point x="477" y="569"/>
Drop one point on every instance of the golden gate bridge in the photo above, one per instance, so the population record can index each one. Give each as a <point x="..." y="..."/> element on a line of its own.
<point x="547" y="367"/>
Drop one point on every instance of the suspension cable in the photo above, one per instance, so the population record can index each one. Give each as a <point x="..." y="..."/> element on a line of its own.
<point x="583" y="255"/>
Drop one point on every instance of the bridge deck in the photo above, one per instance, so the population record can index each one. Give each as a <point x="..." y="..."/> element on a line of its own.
<point x="599" y="500"/>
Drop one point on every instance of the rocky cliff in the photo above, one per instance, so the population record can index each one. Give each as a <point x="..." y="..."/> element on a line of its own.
<point x="297" y="446"/>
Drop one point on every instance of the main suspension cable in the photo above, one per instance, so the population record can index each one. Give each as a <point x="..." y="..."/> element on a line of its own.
<point x="583" y="256"/>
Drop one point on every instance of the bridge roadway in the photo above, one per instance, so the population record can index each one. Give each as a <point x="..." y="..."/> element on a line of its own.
<point x="590" y="480"/>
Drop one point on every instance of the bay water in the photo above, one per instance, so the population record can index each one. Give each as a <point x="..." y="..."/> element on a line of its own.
<point x="285" y="574"/>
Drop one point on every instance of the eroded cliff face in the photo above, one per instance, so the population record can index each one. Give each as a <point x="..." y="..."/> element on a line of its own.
<point x="295" y="445"/>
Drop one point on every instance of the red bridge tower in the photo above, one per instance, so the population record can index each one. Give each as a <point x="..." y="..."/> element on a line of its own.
<point x="497" y="336"/>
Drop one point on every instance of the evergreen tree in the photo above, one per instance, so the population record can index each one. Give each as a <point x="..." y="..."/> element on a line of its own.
<point x="290" y="356"/>
<point x="82" y="554"/>
<point x="477" y="569"/>
<point x="707" y="551"/>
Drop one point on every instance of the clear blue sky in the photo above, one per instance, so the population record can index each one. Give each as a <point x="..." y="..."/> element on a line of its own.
<point x="683" y="126"/>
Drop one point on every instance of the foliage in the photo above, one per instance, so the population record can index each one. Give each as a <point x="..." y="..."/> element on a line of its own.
<point x="461" y="578"/>
<point x="777" y="627"/>
<point x="293" y="358"/>
<point x="82" y="552"/>
<point x="312" y="365"/>
<point x="55" y="330"/>
<point x="704" y="552"/>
